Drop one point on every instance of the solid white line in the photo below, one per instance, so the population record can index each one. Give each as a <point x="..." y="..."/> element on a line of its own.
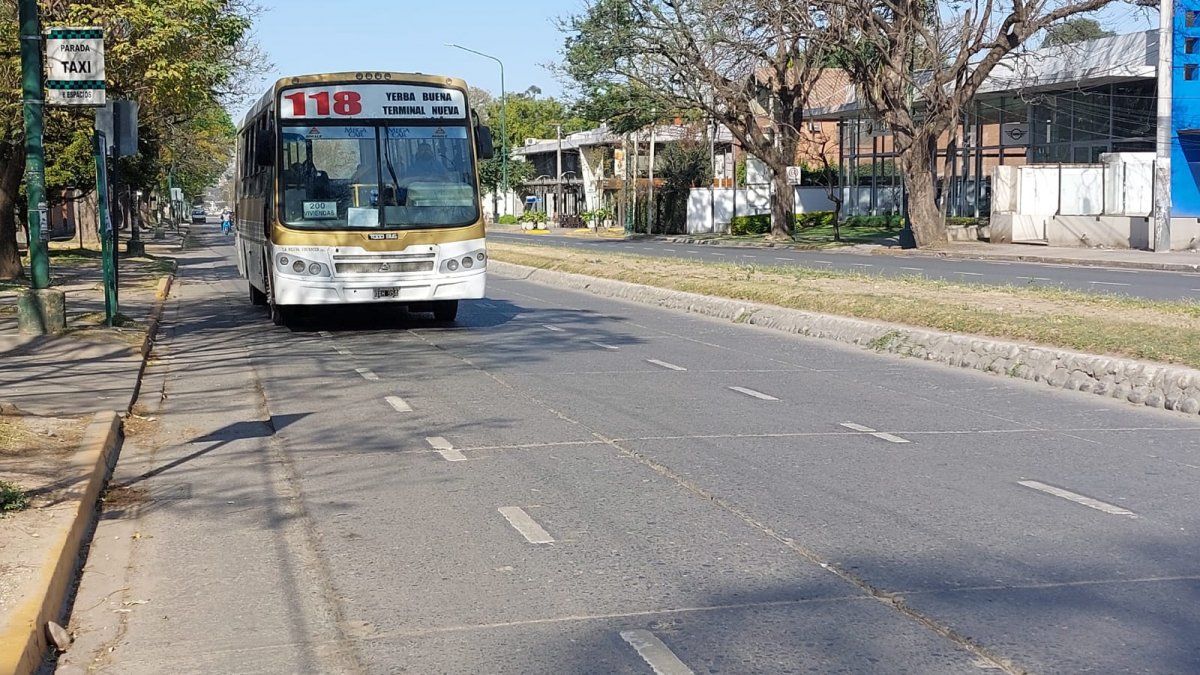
<point x="602" y="345"/>
<point x="367" y="374"/>
<point x="1108" y="283"/>
<point x="883" y="436"/>
<point x="446" y="450"/>
<point x="657" y="655"/>
<point x="755" y="394"/>
<point x="1078" y="498"/>
<point x="399" y="404"/>
<point x="556" y="329"/>
<point x="527" y="526"/>
<point x="664" y="364"/>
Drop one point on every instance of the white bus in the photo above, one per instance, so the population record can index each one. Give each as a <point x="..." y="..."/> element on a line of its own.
<point x="361" y="188"/>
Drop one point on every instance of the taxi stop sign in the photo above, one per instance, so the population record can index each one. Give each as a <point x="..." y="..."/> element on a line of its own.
<point x="75" y="67"/>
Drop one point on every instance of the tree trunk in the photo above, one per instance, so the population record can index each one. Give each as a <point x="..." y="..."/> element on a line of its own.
<point x="782" y="206"/>
<point x="919" y="175"/>
<point x="12" y="166"/>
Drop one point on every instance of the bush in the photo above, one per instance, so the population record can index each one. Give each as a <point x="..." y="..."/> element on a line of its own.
<point x="818" y="219"/>
<point x="536" y="217"/>
<point x="890" y="222"/>
<point x="570" y="221"/>
<point x="507" y="219"/>
<point x="962" y="221"/>
<point x="12" y="498"/>
<point x="748" y="225"/>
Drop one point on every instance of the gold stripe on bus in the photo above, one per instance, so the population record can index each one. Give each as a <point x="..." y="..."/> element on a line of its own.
<point x="283" y="236"/>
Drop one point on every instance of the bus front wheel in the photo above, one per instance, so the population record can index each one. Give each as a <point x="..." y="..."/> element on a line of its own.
<point x="445" y="310"/>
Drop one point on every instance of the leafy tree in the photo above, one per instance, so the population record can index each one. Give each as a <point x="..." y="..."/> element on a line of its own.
<point x="878" y="44"/>
<point x="1076" y="30"/>
<point x="180" y="59"/>
<point x="749" y="65"/>
<point x="682" y="165"/>
<point x="526" y="116"/>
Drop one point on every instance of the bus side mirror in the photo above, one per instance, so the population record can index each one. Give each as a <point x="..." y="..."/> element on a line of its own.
<point x="264" y="149"/>
<point x="483" y="142"/>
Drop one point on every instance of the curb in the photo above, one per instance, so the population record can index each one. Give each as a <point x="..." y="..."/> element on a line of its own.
<point x="1143" y="383"/>
<point x="1050" y="260"/>
<point x="23" y="639"/>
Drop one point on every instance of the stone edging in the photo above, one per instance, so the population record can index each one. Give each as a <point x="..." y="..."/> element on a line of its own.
<point x="1139" y="382"/>
<point x="23" y="633"/>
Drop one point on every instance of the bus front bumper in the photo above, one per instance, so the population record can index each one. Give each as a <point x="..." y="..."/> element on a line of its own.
<point x="290" y="291"/>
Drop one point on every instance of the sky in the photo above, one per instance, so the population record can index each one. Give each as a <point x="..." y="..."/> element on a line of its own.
<point x="300" y="37"/>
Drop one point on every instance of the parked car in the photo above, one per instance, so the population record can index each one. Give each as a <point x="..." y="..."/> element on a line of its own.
<point x="198" y="215"/>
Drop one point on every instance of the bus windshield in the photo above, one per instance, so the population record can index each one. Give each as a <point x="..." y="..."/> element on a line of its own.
<point x="377" y="177"/>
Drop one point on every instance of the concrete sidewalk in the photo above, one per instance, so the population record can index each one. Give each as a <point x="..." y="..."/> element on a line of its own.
<point x="60" y="432"/>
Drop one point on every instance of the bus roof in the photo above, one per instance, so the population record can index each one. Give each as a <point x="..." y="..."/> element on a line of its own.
<point x="370" y="76"/>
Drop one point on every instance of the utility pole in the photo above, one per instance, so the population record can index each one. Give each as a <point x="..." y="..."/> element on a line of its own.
<point x="35" y="158"/>
<point x="651" y="211"/>
<point x="558" y="175"/>
<point x="1162" y="159"/>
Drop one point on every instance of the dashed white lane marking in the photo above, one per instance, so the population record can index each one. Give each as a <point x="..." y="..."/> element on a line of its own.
<point x="647" y="248"/>
<point x="664" y="364"/>
<point x="399" y="404"/>
<point x="787" y="259"/>
<point x="342" y="350"/>
<point x="556" y="329"/>
<point x="367" y="374"/>
<point x="970" y="274"/>
<point x="914" y="269"/>
<point x="1108" y="283"/>
<point x="446" y="450"/>
<point x="861" y="265"/>
<point x="657" y="655"/>
<point x="755" y="394"/>
<point x="890" y="438"/>
<point x="1196" y="290"/>
<point x="669" y="249"/>
<point x="714" y="253"/>
<point x="822" y="262"/>
<point x="1078" y="498"/>
<point x="603" y="346"/>
<point x="527" y="526"/>
<point x="1035" y="278"/>
<point x="325" y="334"/>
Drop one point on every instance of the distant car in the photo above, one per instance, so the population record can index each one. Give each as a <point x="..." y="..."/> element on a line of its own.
<point x="198" y="215"/>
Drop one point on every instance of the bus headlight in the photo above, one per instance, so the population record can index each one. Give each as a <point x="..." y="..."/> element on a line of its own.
<point x="290" y="264"/>
<point x="471" y="260"/>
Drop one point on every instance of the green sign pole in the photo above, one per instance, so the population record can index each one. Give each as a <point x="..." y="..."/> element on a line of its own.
<point x="108" y="251"/>
<point x="35" y="159"/>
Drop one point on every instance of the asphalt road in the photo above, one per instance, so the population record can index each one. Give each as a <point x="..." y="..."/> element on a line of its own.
<point x="1150" y="284"/>
<point x="561" y="483"/>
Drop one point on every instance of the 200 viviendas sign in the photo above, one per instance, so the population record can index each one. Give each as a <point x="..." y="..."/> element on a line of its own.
<point x="372" y="101"/>
<point x="75" y="66"/>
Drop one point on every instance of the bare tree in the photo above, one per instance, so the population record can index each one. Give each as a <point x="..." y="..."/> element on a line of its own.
<point x="916" y="64"/>
<point x="748" y="65"/>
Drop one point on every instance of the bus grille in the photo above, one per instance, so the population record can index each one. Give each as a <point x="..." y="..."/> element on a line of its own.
<point x="383" y="267"/>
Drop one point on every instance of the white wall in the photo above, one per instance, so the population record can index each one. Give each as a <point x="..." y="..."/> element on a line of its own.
<point x="751" y="200"/>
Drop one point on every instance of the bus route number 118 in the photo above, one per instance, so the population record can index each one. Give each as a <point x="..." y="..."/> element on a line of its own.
<point x="344" y="103"/>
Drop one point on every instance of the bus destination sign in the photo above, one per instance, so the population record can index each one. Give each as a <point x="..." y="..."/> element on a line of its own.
<point x="373" y="101"/>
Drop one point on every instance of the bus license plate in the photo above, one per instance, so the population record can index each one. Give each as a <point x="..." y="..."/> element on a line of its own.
<point x="387" y="293"/>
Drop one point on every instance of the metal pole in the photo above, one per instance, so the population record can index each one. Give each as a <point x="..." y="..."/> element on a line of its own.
<point x="558" y="196"/>
<point x="712" y="184"/>
<point x="1162" y="159"/>
<point x="35" y="159"/>
<point x="652" y="211"/>
<point x="503" y="120"/>
<point x="104" y="227"/>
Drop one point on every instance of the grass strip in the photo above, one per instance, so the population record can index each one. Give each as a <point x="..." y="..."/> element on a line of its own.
<point x="1162" y="331"/>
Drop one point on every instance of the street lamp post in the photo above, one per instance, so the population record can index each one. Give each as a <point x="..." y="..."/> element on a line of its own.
<point x="503" y="121"/>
